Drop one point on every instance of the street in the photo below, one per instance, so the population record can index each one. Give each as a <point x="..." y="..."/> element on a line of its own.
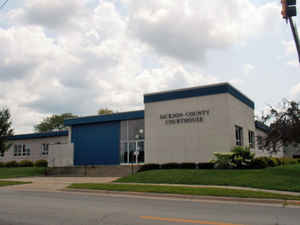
<point x="62" y="208"/>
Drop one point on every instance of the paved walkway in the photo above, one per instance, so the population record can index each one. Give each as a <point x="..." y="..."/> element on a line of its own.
<point x="53" y="183"/>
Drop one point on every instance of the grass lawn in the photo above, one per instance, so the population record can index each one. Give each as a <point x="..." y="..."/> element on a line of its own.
<point x="284" y="178"/>
<point x="184" y="190"/>
<point x="7" y="183"/>
<point x="21" y="172"/>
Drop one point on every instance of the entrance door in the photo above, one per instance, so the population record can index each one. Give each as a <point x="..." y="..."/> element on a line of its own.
<point x="141" y="152"/>
<point x="132" y="152"/>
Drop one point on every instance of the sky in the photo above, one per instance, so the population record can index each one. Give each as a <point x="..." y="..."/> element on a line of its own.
<point x="82" y="55"/>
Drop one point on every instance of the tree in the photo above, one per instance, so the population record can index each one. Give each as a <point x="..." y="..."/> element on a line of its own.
<point x="104" y="111"/>
<point x="284" y="126"/>
<point x="54" y="122"/>
<point x="5" y="129"/>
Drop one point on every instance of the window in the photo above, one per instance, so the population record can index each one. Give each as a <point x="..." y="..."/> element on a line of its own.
<point x="26" y="150"/>
<point x="1" y="154"/>
<point x="132" y="141"/>
<point x="238" y="135"/>
<point x="260" y="142"/>
<point x="45" y="149"/>
<point x="251" y="139"/>
<point x="21" y="150"/>
<point x="18" y="150"/>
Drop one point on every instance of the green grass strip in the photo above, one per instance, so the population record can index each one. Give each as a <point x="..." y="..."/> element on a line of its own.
<point x="282" y="178"/>
<point x="21" y="172"/>
<point x="224" y="192"/>
<point x="7" y="183"/>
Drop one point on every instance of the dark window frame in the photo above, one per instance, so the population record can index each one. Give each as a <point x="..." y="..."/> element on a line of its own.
<point x="239" y="136"/>
<point x="251" y="138"/>
<point x="45" y="149"/>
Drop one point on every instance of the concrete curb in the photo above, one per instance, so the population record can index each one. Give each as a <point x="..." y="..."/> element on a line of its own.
<point x="189" y="197"/>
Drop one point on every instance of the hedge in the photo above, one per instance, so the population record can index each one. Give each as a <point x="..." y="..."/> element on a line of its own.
<point x="11" y="164"/>
<point x="151" y="166"/>
<point x="209" y="165"/>
<point x="171" y="165"/>
<point x="25" y="163"/>
<point x="41" y="163"/>
<point x="188" y="165"/>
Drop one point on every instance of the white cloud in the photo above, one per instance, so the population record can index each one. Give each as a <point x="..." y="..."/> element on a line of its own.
<point x="237" y="82"/>
<point x="293" y="63"/>
<point x="80" y="71"/>
<point x="55" y="14"/>
<point x="65" y="56"/>
<point x="187" y="29"/>
<point x="290" y="48"/>
<point x="247" y="69"/>
<point x="295" y="92"/>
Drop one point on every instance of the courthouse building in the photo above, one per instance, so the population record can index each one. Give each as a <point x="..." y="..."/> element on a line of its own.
<point x="184" y="125"/>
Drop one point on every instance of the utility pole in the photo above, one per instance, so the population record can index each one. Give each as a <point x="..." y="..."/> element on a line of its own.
<point x="3" y="4"/>
<point x="296" y="36"/>
<point x="288" y="11"/>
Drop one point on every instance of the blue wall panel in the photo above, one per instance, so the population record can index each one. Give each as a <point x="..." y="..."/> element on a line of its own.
<point x="96" y="144"/>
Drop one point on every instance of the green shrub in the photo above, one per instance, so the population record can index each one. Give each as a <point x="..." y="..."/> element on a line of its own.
<point x="224" y="160"/>
<point x="242" y="157"/>
<point x="41" y="163"/>
<point x="151" y="166"/>
<point x="11" y="164"/>
<point x="170" y="166"/>
<point x="274" y="162"/>
<point x="238" y="158"/>
<point x="264" y="162"/>
<point x="278" y="162"/>
<point x="287" y="161"/>
<point x="209" y="165"/>
<point x="25" y="163"/>
<point x="187" y="165"/>
<point x="260" y="163"/>
<point x="2" y="164"/>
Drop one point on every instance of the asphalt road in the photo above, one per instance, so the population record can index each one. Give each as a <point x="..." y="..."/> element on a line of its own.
<point x="61" y="208"/>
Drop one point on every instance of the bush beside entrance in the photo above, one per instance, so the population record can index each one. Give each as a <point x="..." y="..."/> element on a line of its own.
<point x="238" y="158"/>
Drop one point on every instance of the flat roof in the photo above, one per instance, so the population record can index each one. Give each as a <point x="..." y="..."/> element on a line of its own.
<point x="261" y="126"/>
<point x="105" y="118"/>
<point x="39" y="135"/>
<point x="198" y="91"/>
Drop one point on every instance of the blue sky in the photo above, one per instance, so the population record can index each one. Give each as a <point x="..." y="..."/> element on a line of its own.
<point x="81" y="55"/>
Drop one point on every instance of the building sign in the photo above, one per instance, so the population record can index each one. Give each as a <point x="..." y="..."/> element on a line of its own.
<point x="184" y="117"/>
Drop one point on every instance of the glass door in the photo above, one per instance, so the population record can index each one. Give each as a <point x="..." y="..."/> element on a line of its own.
<point x="132" y="152"/>
<point x="141" y="152"/>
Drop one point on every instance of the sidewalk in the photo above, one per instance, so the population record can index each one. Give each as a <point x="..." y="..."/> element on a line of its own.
<point x="53" y="183"/>
<point x="58" y="183"/>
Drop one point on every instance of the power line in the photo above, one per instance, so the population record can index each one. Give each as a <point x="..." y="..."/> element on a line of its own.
<point x="3" y="4"/>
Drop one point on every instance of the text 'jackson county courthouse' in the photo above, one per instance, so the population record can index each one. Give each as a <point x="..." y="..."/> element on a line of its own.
<point x="185" y="125"/>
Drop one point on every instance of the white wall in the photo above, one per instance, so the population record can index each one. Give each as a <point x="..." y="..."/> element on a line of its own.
<point x="61" y="155"/>
<point x="35" y="146"/>
<point x="240" y="115"/>
<point x="194" y="142"/>
<point x="263" y="152"/>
